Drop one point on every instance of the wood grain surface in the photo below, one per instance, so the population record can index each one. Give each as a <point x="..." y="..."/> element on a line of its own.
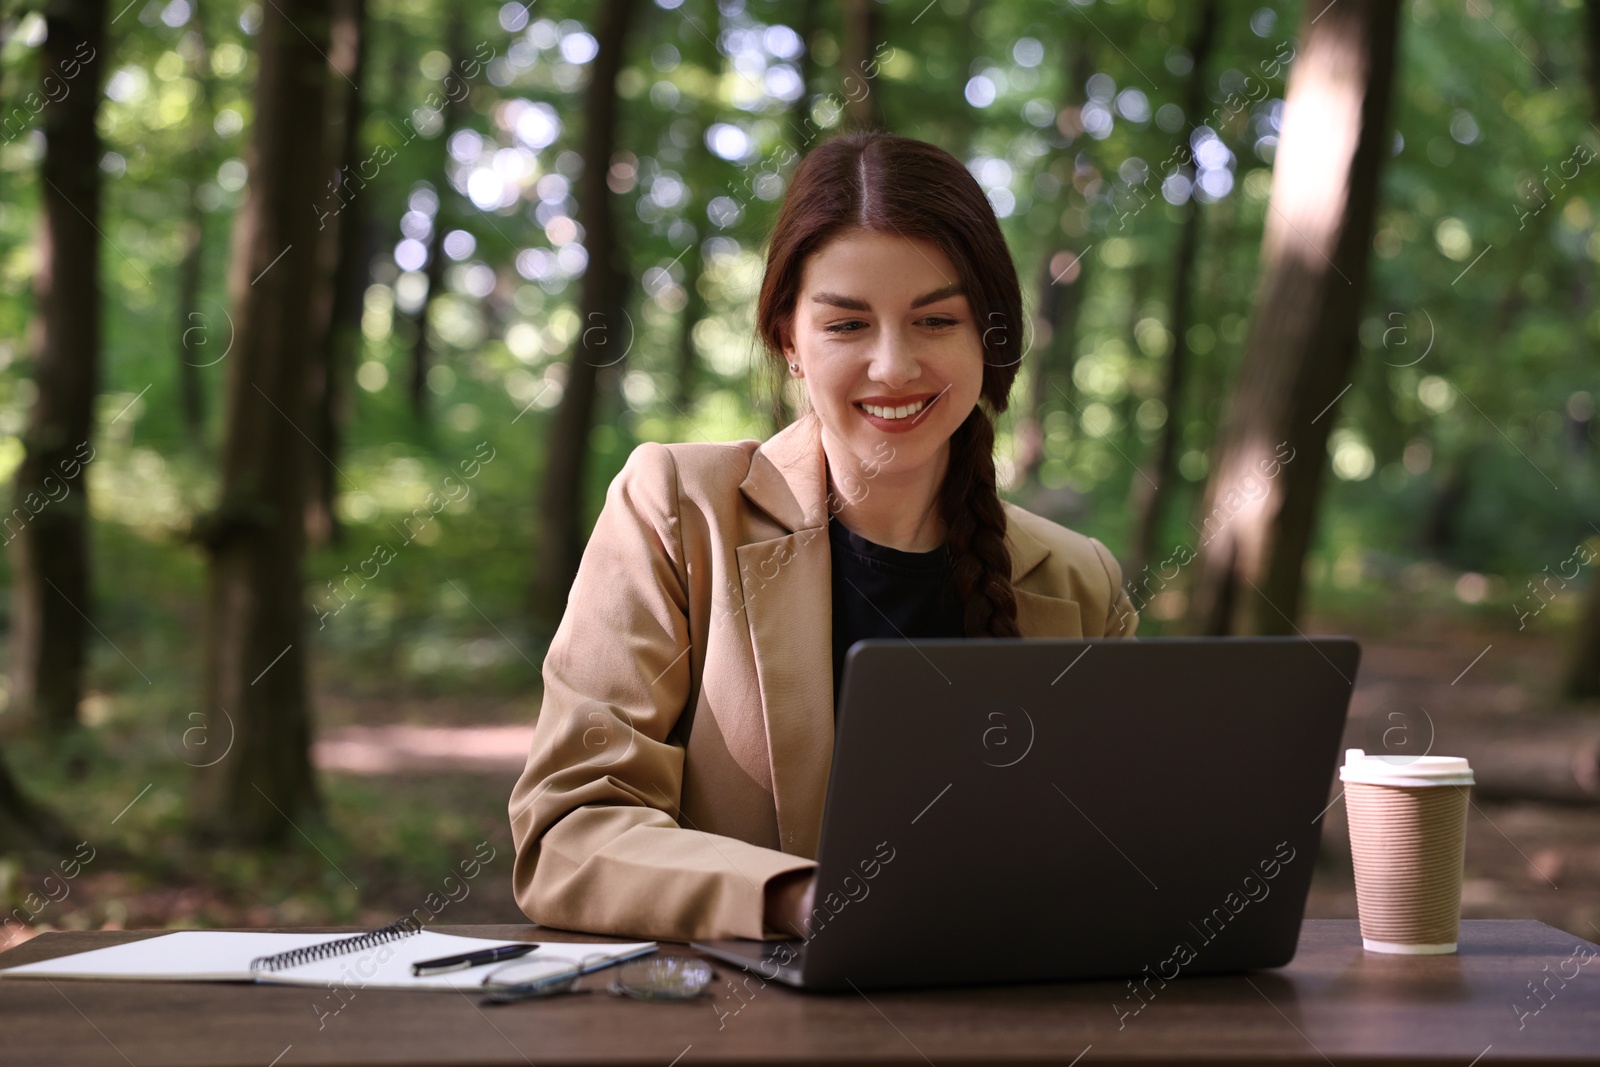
<point x="1334" y="1004"/>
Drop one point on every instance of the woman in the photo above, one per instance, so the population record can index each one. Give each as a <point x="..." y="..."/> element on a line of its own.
<point x="675" y="785"/>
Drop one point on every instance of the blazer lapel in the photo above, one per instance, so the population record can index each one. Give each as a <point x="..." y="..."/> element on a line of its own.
<point x="787" y="587"/>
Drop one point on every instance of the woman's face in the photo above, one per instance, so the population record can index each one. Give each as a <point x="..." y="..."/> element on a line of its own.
<point x="889" y="349"/>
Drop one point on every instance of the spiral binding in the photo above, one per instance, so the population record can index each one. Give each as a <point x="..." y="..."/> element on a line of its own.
<point x="403" y="927"/>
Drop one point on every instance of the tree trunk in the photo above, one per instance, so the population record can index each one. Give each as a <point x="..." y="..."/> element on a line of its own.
<point x="1063" y="280"/>
<point x="1260" y="502"/>
<point x="862" y="26"/>
<point x="1591" y="49"/>
<point x="697" y="158"/>
<point x="25" y="826"/>
<point x="604" y="332"/>
<point x="337" y="307"/>
<point x="201" y="342"/>
<point x="1581" y="678"/>
<point x="455" y="38"/>
<point x="1439" y="531"/>
<point x="965" y="118"/>
<point x="255" y="651"/>
<point x="1452" y="485"/>
<point x="801" y="129"/>
<point x="48" y="527"/>
<point x="1563" y="768"/>
<point x="1163" y="472"/>
<point x="803" y="134"/>
<point x="16" y="819"/>
<point x="688" y="358"/>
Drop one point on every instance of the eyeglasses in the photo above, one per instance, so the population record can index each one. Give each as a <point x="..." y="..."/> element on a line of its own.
<point x="654" y="978"/>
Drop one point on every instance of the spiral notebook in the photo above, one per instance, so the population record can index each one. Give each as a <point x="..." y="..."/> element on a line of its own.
<point x="378" y="959"/>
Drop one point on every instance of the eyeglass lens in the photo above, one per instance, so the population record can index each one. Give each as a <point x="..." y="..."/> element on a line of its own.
<point x="656" y="978"/>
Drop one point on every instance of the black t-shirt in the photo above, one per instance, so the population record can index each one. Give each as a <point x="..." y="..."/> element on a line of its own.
<point x="884" y="592"/>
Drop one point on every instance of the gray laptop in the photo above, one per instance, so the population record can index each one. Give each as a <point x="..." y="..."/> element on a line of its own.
<point x="1016" y="810"/>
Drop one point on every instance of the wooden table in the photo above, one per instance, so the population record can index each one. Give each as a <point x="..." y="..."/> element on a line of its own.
<point x="1333" y="1004"/>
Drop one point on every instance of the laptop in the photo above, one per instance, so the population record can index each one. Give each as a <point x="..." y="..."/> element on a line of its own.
<point x="1041" y="809"/>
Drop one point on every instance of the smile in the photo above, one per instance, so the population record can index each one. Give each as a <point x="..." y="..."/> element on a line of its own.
<point x="898" y="416"/>
<point x="904" y="411"/>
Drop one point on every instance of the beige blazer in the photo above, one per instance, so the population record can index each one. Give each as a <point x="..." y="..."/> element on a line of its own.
<point x="682" y="750"/>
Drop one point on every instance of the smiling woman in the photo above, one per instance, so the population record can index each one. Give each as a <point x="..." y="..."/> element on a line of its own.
<point x="679" y="766"/>
<point x="903" y="357"/>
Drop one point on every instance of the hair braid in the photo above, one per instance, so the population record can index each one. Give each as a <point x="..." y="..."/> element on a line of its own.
<point x="976" y="530"/>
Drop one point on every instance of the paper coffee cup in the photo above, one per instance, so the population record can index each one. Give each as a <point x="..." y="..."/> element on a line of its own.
<point x="1408" y="834"/>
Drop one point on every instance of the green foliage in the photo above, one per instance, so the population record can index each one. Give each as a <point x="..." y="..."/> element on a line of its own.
<point x="1474" y="383"/>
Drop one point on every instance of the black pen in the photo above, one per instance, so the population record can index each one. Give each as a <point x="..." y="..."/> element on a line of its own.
<point x="470" y="959"/>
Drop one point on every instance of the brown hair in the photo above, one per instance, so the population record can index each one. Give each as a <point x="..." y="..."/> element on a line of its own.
<point x="872" y="180"/>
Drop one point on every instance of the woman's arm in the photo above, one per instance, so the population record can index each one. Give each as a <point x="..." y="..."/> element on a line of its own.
<point x="594" y="815"/>
<point x="790" y="900"/>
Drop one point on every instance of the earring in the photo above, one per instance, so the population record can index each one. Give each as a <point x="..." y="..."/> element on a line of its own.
<point x="794" y="366"/>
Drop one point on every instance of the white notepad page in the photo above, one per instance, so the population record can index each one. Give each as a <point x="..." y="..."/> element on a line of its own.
<point x="188" y="955"/>
<point x="223" y="955"/>
<point x="388" y="966"/>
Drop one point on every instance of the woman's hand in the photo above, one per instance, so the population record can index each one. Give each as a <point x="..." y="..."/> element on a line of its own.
<point x="789" y="900"/>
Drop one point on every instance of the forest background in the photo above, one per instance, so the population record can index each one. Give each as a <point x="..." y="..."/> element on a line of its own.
<point x="324" y="326"/>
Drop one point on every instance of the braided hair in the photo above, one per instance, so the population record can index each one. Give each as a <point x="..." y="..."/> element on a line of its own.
<point x="877" y="181"/>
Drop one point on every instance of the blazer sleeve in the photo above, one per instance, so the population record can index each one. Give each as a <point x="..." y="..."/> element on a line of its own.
<point x="1121" y="620"/>
<point x="593" y="817"/>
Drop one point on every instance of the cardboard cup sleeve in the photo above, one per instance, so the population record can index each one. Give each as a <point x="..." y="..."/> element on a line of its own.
<point x="1408" y="844"/>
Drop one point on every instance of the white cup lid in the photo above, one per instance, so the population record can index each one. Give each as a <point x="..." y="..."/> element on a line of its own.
<point x="1404" y="770"/>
